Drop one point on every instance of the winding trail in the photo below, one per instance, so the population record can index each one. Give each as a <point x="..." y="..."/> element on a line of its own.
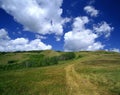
<point x="77" y="85"/>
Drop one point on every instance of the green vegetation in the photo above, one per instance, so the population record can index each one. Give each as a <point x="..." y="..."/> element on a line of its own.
<point x="60" y="73"/>
<point x="33" y="59"/>
<point x="33" y="81"/>
<point x="103" y="71"/>
<point x="67" y="56"/>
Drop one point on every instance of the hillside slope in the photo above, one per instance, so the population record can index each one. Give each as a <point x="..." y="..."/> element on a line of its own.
<point x="87" y="73"/>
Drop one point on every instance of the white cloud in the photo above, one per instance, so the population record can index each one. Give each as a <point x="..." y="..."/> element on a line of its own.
<point x="40" y="36"/>
<point x="81" y="38"/>
<point x="91" y="11"/>
<point x="20" y="44"/>
<point x="40" y="16"/>
<point x="79" y="23"/>
<point x="44" y="17"/>
<point x="95" y="46"/>
<point x="91" y="2"/>
<point x="103" y="29"/>
<point x="66" y="20"/>
<point x="115" y="50"/>
<point x="3" y="35"/>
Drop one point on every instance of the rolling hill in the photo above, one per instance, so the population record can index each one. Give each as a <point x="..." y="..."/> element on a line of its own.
<point x="59" y="73"/>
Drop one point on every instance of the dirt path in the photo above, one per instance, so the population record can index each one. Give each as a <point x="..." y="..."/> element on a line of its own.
<point x="73" y="87"/>
<point x="78" y="85"/>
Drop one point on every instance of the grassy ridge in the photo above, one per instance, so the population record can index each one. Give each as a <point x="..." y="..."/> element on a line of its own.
<point x="79" y="73"/>
<point x="22" y="60"/>
<point x="103" y="71"/>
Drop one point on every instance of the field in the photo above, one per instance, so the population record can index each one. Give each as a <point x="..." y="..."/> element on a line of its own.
<point x="60" y="73"/>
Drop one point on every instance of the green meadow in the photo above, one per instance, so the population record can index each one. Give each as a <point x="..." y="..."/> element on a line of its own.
<point x="59" y="73"/>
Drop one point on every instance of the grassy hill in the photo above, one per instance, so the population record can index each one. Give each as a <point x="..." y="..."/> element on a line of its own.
<point x="60" y="73"/>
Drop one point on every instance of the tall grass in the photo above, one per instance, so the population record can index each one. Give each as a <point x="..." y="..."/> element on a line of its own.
<point x="104" y="72"/>
<point x="37" y="60"/>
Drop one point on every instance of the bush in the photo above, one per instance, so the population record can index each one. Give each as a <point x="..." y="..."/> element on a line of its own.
<point x="80" y="56"/>
<point x="3" y="53"/>
<point x="37" y="60"/>
<point x="43" y="61"/>
<point x="67" y="56"/>
<point x="54" y="60"/>
<point x="12" y="61"/>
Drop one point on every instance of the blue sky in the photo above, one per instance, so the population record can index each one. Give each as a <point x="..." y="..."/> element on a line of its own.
<point x="67" y="25"/>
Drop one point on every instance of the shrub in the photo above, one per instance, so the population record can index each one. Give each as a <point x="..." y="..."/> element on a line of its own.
<point x="12" y="61"/>
<point x="54" y="60"/>
<point x="67" y="56"/>
<point x="3" y="53"/>
<point x="40" y="61"/>
<point x="37" y="60"/>
<point x="80" y="56"/>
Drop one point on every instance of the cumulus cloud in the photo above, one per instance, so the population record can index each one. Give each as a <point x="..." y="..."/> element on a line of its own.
<point x="20" y="44"/>
<point x="103" y="28"/>
<point x="40" y="36"/>
<point x="95" y="46"/>
<point x="44" y="17"/>
<point x="4" y="35"/>
<point x="79" y="23"/>
<point x="115" y="50"/>
<point x="40" y="16"/>
<point x="91" y="11"/>
<point x="81" y="38"/>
